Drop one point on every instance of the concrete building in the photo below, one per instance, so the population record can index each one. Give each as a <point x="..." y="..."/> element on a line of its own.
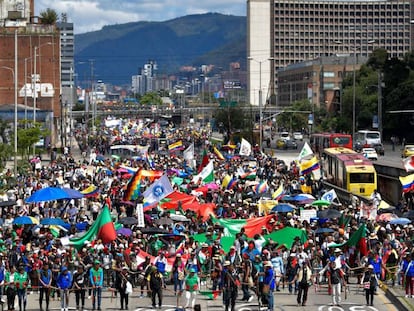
<point x="303" y="30"/>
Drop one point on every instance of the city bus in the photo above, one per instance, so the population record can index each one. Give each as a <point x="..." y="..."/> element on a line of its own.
<point x="349" y="170"/>
<point x="320" y="141"/>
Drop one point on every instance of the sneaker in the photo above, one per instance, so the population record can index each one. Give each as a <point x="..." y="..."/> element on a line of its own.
<point x="250" y="299"/>
<point x="407" y="296"/>
<point x="142" y="296"/>
<point x="89" y="297"/>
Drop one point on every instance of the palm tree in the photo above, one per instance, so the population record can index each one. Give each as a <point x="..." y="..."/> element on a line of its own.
<point x="48" y="17"/>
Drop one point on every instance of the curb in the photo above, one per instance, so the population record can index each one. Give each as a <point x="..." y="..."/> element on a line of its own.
<point x="399" y="301"/>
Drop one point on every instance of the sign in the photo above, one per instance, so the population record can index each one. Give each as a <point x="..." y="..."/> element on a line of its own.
<point x="307" y="214"/>
<point x="140" y="215"/>
<point x="310" y="119"/>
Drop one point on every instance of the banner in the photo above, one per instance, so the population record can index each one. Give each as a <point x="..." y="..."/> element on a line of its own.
<point x="140" y="215"/>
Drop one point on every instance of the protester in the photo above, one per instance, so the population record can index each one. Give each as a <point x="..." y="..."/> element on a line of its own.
<point x="178" y="274"/>
<point x="121" y="284"/>
<point x="21" y="279"/>
<point x="230" y="285"/>
<point x="269" y="285"/>
<point x="96" y="281"/>
<point x="156" y="285"/>
<point x="64" y="283"/>
<point x="192" y="285"/>
<point x="45" y="281"/>
<point x="303" y="278"/>
<point x="369" y="281"/>
<point x="336" y="280"/>
<point x="79" y="284"/>
<point x="11" y="288"/>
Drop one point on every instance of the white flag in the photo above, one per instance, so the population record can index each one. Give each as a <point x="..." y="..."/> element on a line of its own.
<point x="329" y="196"/>
<point x="305" y="152"/>
<point x="189" y="155"/>
<point x="206" y="174"/>
<point x="245" y="148"/>
<point x="158" y="190"/>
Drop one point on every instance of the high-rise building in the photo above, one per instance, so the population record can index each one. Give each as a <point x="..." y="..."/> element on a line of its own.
<point x="302" y="30"/>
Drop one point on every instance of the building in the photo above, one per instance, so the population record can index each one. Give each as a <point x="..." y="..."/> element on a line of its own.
<point x="306" y="30"/>
<point x="145" y="81"/>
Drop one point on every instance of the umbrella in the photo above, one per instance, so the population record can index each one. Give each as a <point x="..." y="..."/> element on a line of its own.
<point x="153" y="230"/>
<point x="7" y="203"/>
<point x="163" y="221"/>
<point x="100" y="157"/>
<point x="128" y="221"/>
<point x="128" y="203"/>
<point x="116" y="157"/>
<point x="25" y="220"/>
<point x="212" y="186"/>
<point x="400" y="221"/>
<point x="283" y="208"/>
<point x="329" y="213"/>
<point x="53" y="222"/>
<point x="178" y="217"/>
<point x="52" y="194"/>
<point x="124" y="231"/>
<point x="321" y="203"/>
<point x="324" y="230"/>
<point x="409" y="214"/>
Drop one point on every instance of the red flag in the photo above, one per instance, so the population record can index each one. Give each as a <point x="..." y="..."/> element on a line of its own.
<point x="205" y="160"/>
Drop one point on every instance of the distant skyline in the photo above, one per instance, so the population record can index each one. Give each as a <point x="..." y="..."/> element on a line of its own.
<point x="92" y="15"/>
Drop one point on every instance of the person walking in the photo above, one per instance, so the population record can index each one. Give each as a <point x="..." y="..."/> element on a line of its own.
<point x="230" y="286"/>
<point x="64" y="283"/>
<point x="192" y="285"/>
<point x="335" y="280"/>
<point x="45" y="281"/>
<point x="408" y="269"/>
<point x="369" y="281"/>
<point x="121" y="281"/>
<point x="21" y="279"/>
<point x="178" y="271"/>
<point x="156" y="284"/>
<point x="10" y="287"/>
<point x="96" y="281"/>
<point x="269" y="284"/>
<point x="303" y="277"/>
<point x="79" y="284"/>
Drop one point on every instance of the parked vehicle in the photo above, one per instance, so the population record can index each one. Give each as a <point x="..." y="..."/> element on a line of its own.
<point x="298" y="136"/>
<point x="284" y="135"/>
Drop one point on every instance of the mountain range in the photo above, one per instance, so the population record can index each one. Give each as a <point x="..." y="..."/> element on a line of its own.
<point x="117" y="52"/>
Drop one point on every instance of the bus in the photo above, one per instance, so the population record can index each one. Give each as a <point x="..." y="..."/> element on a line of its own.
<point x="349" y="170"/>
<point x="367" y="138"/>
<point x="320" y="141"/>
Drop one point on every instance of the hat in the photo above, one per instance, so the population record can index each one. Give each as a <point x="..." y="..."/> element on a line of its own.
<point x="64" y="268"/>
<point x="178" y="255"/>
<point x="233" y="247"/>
<point x="192" y="270"/>
<point x="204" y="245"/>
<point x="373" y="235"/>
<point x="370" y="267"/>
<point x="125" y="268"/>
<point x="226" y="263"/>
<point x="337" y="250"/>
<point x="268" y="264"/>
<point x="271" y="221"/>
<point x="96" y="262"/>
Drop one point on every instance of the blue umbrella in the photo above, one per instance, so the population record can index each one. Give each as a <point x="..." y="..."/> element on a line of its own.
<point x="400" y="221"/>
<point x="25" y="220"/>
<point x="283" y="208"/>
<point x="53" y="222"/>
<point x="324" y="230"/>
<point x="52" y="194"/>
<point x="124" y="231"/>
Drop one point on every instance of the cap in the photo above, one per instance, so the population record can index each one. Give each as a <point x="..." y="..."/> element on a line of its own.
<point x="96" y="262"/>
<point x="226" y="263"/>
<point x="204" y="245"/>
<point x="192" y="270"/>
<point x="337" y="250"/>
<point x="370" y="267"/>
<point x="125" y="268"/>
<point x="64" y="268"/>
<point x="233" y="247"/>
<point x="268" y="264"/>
<point x="178" y="255"/>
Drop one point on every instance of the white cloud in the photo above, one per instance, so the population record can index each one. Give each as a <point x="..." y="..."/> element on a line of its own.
<point x="93" y="15"/>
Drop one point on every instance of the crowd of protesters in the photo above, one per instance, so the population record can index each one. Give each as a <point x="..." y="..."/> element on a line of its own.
<point x="34" y="259"/>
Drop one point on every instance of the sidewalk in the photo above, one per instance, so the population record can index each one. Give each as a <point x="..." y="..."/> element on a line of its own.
<point x="396" y="294"/>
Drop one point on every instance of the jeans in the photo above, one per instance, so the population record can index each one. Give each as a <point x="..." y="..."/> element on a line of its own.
<point x="178" y="284"/>
<point x="336" y="294"/>
<point x="44" y="293"/>
<point x="302" y="293"/>
<point x="245" y="290"/>
<point x="11" y="297"/>
<point x="97" y="295"/>
<point x="290" y="279"/>
<point x="64" y="298"/>
<point x="22" y="297"/>
<point x="80" y="297"/>
<point x="229" y="297"/>
<point x="409" y="285"/>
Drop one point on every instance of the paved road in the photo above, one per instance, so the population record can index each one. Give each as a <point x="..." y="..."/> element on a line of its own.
<point x="318" y="300"/>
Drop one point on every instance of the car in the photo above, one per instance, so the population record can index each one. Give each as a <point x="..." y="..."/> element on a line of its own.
<point x="370" y="153"/>
<point x="298" y="136"/>
<point x="280" y="143"/>
<point x="290" y="144"/>
<point x="379" y="148"/>
<point x="284" y="135"/>
<point x="407" y="151"/>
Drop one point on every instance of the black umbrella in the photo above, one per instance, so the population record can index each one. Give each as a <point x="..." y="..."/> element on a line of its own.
<point x="329" y="213"/>
<point x="409" y="215"/>
<point x="154" y="230"/>
<point x="7" y="203"/>
<point x="324" y="230"/>
<point x="128" y="221"/>
<point x="164" y="221"/>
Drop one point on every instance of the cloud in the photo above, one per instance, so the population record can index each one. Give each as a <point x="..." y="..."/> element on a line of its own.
<point x="93" y="15"/>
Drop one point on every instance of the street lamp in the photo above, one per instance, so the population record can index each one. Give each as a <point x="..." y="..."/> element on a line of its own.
<point x="15" y="115"/>
<point x="260" y="97"/>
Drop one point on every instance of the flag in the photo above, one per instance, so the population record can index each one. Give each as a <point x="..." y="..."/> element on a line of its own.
<point x="407" y="183"/>
<point x="329" y="195"/>
<point x="308" y="166"/>
<point x="228" y="182"/>
<point x="211" y="294"/>
<point x="357" y="239"/>
<point x="305" y="152"/>
<point x="245" y="148"/>
<point x="252" y="226"/>
<point x="133" y="190"/>
<point x="158" y="190"/>
<point x="206" y="174"/>
<point x="249" y="174"/>
<point x="188" y="154"/>
<point x="409" y="163"/>
<point x="230" y="145"/>
<point x="150" y="160"/>
<point x="261" y="187"/>
<point x="103" y="228"/>
<point x="265" y="206"/>
<point x="91" y="191"/>
<point x="178" y="145"/>
<point x="218" y="154"/>
<point x="279" y="192"/>
<point x="204" y="161"/>
<point x="344" y="221"/>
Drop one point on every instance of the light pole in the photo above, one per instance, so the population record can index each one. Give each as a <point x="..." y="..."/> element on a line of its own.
<point x="15" y="115"/>
<point x="260" y="98"/>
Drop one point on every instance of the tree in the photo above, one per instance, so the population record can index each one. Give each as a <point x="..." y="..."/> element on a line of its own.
<point x="48" y="17"/>
<point x="151" y="98"/>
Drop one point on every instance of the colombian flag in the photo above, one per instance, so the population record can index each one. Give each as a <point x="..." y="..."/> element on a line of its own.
<point x="407" y="183"/>
<point x="308" y="166"/>
<point x="279" y="192"/>
<point x="176" y="146"/>
<point x="228" y="182"/>
<point x="91" y="191"/>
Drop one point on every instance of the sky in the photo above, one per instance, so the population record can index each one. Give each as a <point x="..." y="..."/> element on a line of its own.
<point x="91" y="15"/>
